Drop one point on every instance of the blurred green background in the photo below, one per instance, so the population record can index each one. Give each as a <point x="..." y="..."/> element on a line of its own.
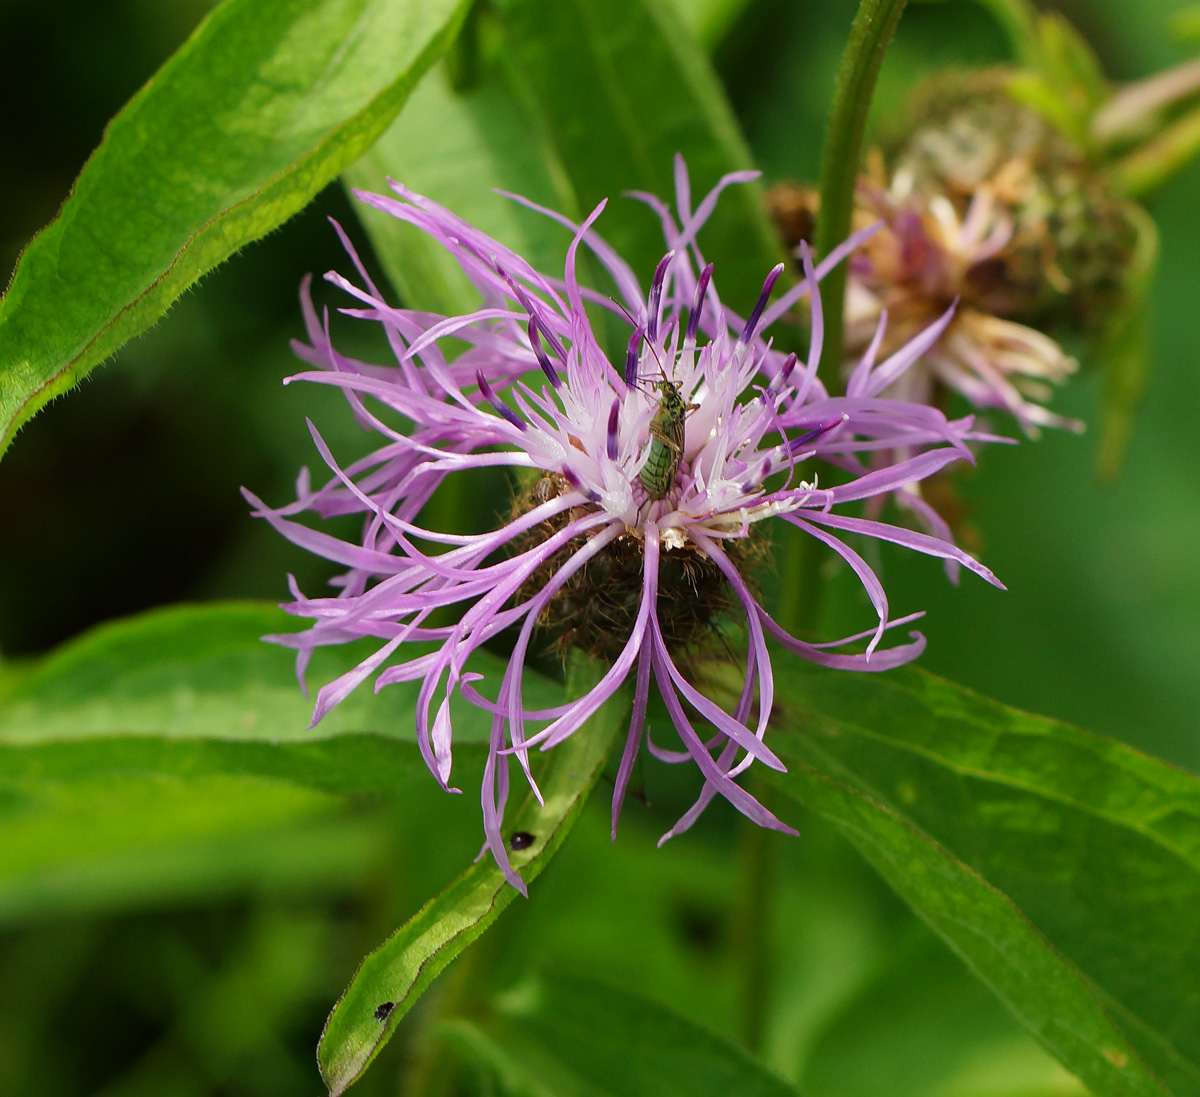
<point x="124" y="495"/>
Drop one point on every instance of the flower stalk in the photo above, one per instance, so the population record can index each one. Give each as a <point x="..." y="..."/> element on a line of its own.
<point x="870" y="35"/>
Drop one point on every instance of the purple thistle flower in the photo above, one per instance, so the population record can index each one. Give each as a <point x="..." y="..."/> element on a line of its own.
<point x="652" y="475"/>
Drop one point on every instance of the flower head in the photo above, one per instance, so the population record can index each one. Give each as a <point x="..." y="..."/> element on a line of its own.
<point x="983" y="202"/>
<point x="927" y="256"/>
<point x="651" y="474"/>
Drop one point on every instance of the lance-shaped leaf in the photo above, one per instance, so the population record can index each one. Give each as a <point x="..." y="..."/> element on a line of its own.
<point x="1063" y="867"/>
<point x="393" y="977"/>
<point x="266" y="103"/>
<point x="168" y="755"/>
<point x="587" y="101"/>
<point x="618" y="87"/>
<point x="457" y="146"/>
<point x="123" y="822"/>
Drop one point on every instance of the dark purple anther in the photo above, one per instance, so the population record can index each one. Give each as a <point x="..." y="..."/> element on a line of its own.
<point x="571" y="478"/>
<point x="632" y="358"/>
<point x="654" y="303"/>
<point x="785" y="371"/>
<point x="698" y="307"/>
<point x="556" y="348"/>
<point x="810" y="435"/>
<point x="613" y="417"/>
<point x="498" y="405"/>
<point x="542" y="357"/>
<point x="768" y="285"/>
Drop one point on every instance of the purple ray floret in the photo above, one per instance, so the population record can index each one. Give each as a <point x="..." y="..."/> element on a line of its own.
<point x="535" y="391"/>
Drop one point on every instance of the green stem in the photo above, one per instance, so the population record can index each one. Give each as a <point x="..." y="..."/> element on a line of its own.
<point x="873" y="28"/>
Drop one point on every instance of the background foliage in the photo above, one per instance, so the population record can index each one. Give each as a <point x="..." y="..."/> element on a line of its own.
<point x="179" y="924"/>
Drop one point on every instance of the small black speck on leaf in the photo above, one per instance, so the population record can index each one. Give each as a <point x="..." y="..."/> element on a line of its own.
<point x="383" y="1011"/>
<point x="522" y="839"/>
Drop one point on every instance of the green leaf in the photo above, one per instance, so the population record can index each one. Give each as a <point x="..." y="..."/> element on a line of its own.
<point x="266" y="103"/>
<point x="167" y="755"/>
<point x="83" y="842"/>
<point x="457" y="147"/>
<point x="203" y="671"/>
<point x="129" y="821"/>
<point x="1062" y="866"/>
<point x="342" y="765"/>
<point x="393" y="977"/>
<point x="557" y="1035"/>
<point x="575" y="101"/>
<point x="618" y="87"/>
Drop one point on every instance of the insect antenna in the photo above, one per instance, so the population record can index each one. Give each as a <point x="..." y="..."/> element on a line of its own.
<point x="639" y="333"/>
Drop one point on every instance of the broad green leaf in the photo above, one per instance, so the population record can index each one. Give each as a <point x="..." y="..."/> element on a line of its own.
<point x="456" y="146"/>
<point x="394" y="976"/>
<point x="120" y="821"/>
<point x="342" y="765"/>
<point x="266" y="103"/>
<point x="575" y="101"/>
<point x="203" y="671"/>
<point x="618" y="87"/>
<point x="1062" y="866"/>
<point x="558" y="1035"/>
<point x="167" y="754"/>
<point x="987" y="930"/>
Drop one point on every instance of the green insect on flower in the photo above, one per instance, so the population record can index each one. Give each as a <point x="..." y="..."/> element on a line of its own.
<point x="666" y="433"/>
